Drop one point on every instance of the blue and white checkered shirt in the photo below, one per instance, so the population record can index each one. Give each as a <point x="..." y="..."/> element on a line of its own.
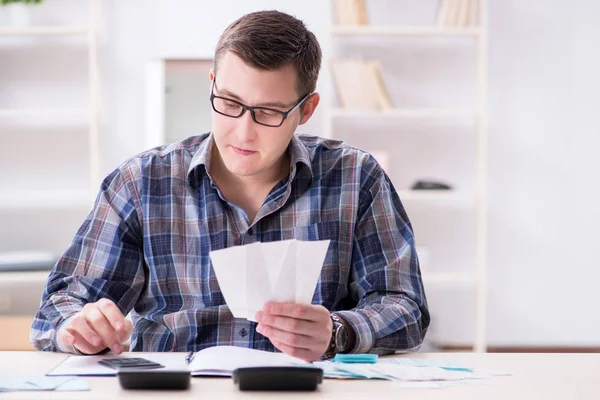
<point x="146" y="243"/>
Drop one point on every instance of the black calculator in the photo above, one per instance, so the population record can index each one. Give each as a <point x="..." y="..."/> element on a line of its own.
<point x="129" y="363"/>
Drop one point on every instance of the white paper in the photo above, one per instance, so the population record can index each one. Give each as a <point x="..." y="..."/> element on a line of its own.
<point x="251" y="275"/>
<point x="88" y="365"/>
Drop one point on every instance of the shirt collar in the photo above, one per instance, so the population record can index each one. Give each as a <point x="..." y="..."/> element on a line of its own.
<point x="300" y="164"/>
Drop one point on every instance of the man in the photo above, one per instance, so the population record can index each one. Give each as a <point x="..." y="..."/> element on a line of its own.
<point x="145" y="246"/>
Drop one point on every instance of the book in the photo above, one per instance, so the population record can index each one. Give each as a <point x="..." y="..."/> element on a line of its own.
<point x="458" y="13"/>
<point x="474" y="13"/>
<point x="350" y="12"/>
<point x="381" y="90"/>
<point x="359" y="84"/>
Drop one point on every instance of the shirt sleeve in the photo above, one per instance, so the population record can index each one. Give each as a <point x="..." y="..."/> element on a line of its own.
<point x="392" y="313"/>
<point x="104" y="260"/>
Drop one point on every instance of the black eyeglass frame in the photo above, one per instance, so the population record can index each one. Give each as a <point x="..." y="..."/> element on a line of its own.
<point x="284" y="114"/>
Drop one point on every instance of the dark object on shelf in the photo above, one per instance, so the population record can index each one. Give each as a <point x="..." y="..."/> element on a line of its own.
<point x="430" y="185"/>
<point x="278" y="378"/>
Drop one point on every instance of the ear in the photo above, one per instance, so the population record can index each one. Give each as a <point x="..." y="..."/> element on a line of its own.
<point x="211" y="77"/>
<point x="309" y="107"/>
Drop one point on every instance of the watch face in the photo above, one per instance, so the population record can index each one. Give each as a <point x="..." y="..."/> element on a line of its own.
<point x="341" y="339"/>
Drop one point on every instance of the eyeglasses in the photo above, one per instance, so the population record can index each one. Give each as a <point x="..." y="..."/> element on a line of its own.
<point x="261" y="115"/>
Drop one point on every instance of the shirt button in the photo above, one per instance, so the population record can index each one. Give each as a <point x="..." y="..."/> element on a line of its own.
<point x="243" y="332"/>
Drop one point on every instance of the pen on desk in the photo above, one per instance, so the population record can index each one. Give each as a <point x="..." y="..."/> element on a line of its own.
<point x="189" y="357"/>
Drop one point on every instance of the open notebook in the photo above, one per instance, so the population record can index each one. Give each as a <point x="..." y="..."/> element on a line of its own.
<point x="215" y="361"/>
<point x="222" y="360"/>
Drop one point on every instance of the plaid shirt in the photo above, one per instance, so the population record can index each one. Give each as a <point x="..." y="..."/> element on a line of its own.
<point x="146" y="243"/>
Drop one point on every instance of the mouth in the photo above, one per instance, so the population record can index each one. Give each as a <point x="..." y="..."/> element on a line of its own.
<point x="243" y="152"/>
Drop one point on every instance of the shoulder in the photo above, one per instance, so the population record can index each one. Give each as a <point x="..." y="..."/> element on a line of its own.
<point x="329" y="156"/>
<point x="167" y="159"/>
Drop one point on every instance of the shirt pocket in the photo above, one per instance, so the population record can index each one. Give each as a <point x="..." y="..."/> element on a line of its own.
<point x="332" y="284"/>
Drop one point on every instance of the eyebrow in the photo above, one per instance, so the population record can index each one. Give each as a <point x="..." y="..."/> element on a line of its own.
<point x="277" y="104"/>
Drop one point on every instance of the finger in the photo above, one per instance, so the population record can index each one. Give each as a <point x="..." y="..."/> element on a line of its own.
<point x="105" y="330"/>
<point x="128" y="329"/>
<point x="287" y="338"/>
<point x="293" y="325"/>
<point x="293" y="310"/>
<point x="80" y="328"/>
<point x="65" y="337"/>
<point x="83" y="345"/>
<point x="113" y="315"/>
<point x="303" y="354"/>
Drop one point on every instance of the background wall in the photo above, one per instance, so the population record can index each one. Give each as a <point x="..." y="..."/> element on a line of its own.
<point x="543" y="184"/>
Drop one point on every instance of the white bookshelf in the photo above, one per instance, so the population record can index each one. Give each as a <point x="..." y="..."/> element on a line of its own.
<point x="402" y="31"/>
<point x="36" y="277"/>
<point x="404" y="113"/>
<point x="454" y="196"/>
<point x="46" y="31"/>
<point x="41" y="113"/>
<point x="441" y="278"/>
<point x="45" y="199"/>
<point x="69" y="197"/>
<point x="474" y="200"/>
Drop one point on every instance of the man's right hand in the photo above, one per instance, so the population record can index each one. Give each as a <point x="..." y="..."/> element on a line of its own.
<point x="97" y="326"/>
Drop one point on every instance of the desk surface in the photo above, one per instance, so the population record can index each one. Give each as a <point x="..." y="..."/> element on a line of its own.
<point x="534" y="376"/>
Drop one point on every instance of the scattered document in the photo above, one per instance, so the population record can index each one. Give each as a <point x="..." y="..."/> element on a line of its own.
<point x="223" y="360"/>
<point x="41" y="383"/>
<point x="284" y="271"/>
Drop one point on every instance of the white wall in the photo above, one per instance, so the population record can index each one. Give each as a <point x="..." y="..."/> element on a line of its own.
<point x="544" y="183"/>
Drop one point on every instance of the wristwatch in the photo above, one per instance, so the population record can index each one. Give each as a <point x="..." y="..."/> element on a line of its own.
<point x="339" y="338"/>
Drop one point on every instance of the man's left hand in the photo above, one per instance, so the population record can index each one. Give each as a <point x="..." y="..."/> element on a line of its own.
<point x="300" y="330"/>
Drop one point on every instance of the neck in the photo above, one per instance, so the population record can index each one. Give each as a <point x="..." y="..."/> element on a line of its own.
<point x="268" y="178"/>
<point x="248" y="192"/>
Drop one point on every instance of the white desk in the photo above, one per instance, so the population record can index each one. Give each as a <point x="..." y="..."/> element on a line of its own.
<point x="534" y="376"/>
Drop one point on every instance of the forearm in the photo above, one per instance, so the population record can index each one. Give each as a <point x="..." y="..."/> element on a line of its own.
<point x="387" y="324"/>
<point x="104" y="260"/>
<point x="55" y="313"/>
<point x="391" y="314"/>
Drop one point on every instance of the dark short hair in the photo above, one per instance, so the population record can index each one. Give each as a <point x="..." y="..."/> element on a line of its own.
<point x="271" y="40"/>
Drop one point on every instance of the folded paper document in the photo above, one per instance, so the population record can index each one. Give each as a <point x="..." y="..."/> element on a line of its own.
<point x="251" y="275"/>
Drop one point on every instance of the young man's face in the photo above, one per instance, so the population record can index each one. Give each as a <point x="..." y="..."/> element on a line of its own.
<point x="247" y="149"/>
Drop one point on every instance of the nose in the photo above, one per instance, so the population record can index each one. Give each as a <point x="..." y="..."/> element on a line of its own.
<point x="246" y="131"/>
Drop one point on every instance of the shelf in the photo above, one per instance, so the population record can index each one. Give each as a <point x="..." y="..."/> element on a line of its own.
<point x="444" y="278"/>
<point x="368" y="30"/>
<point x="23" y="276"/>
<point x="42" y="199"/>
<point x="44" y="113"/>
<point x="404" y="113"/>
<point x="45" y="31"/>
<point x="459" y="196"/>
